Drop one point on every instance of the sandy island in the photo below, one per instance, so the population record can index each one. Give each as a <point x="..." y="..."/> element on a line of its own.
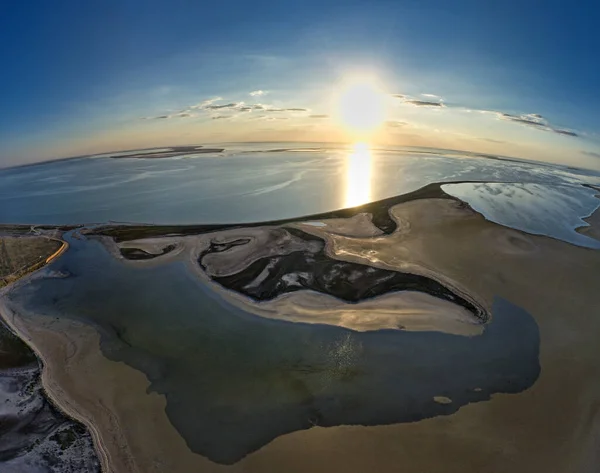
<point x="170" y="152"/>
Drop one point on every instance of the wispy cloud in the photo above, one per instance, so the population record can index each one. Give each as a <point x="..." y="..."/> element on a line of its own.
<point x="318" y="116"/>
<point x="591" y="153"/>
<point x="395" y="123"/>
<point x="534" y="120"/>
<point x="249" y="108"/>
<point x="169" y="116"/>
<point x="209" y="105"/>
<point x="220" y="106"/>
<point x="491" y="140"/>
<point x="424" y="103"/>
<point x="233" y="108"/>
<point x="438" y="102"/>
<point x="537" y="121"/>
<point x="206" y="103"/>
<point x="565" y="132"/>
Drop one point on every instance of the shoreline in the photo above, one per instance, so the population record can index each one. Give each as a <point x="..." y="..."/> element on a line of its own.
<point x="22" y="273"/>
<point x="96" y="391"/>
<point x="592" y="229"/>
<point x="50" y="388"/>
<point x="64" y="247"/>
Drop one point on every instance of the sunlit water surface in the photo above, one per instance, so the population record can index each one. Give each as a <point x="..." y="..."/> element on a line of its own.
<point x="257" y="182"/>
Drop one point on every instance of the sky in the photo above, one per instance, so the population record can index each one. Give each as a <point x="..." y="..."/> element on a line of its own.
<point x="513" y="78"/>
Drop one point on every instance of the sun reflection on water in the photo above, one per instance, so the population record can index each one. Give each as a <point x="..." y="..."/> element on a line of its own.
<point x="358" y="176"/>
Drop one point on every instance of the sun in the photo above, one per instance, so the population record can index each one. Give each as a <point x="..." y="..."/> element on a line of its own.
<point x="361" y="106"/>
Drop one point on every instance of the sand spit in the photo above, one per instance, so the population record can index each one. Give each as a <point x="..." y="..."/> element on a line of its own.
<point x="359" y="225"/>
<point x="406" y="310"/>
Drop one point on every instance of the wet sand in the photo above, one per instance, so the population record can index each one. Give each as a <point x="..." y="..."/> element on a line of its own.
<point x="593" y="230"/>
<point x="406" y="310"/>
<point x="554" y="426"/>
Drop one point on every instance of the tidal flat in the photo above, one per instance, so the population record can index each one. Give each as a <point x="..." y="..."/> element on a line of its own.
<point x="339" y="340"/>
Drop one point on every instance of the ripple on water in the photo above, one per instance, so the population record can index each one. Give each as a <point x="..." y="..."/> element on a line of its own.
<point x="551" y="210"/>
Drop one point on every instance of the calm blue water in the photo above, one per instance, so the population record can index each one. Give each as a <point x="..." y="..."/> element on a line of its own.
<point x="253" y="183"/>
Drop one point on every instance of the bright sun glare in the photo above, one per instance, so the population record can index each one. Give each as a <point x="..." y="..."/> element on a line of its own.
<point x="361" y="107"/>
<point x="358" y="176"/>
<point x="361" y="110"/>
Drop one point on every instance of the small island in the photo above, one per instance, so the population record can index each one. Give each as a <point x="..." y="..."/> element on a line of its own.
<point x="170" y="152"/>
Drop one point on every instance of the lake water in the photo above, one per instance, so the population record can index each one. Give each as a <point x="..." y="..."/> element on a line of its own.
<point x="258" y="182"/>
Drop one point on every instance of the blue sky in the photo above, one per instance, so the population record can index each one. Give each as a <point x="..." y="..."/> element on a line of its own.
<point x="517" y="78"/>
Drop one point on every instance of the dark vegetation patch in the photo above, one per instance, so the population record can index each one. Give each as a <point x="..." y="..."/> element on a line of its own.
<point x="314" y="270"/>
<point x="138" y="254"/>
